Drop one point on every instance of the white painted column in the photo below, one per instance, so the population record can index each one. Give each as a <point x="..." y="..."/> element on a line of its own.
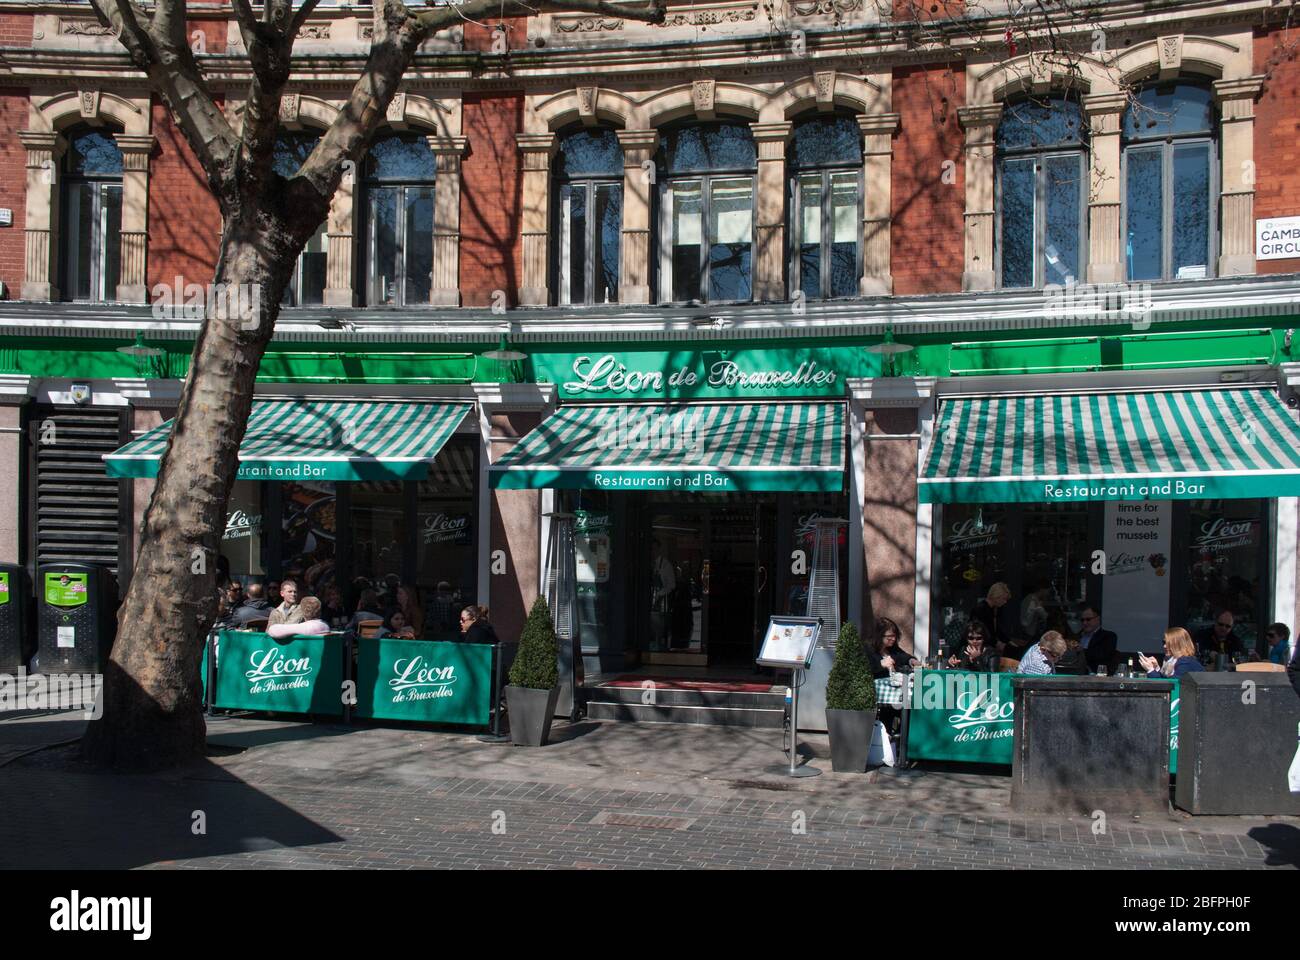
<point x="1284" y="566"/>
<point x="924" y="540"/>
<point x="857" y="481"/>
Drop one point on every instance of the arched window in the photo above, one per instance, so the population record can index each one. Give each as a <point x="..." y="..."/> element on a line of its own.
<point x="1042" y="192"/>
<point x="398" y="237"/>
<point x="1169" y="173"/>
<point x="706" y="231"/>
<point x="826" y="208"/>
<point x="307" y="286"/>
<point x="92" y="216"/>
<point x="589" y="174"/>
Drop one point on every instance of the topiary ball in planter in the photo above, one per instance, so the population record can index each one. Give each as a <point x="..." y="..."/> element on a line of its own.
<point x="534" y="685"/>
<point x="850" y="703"/>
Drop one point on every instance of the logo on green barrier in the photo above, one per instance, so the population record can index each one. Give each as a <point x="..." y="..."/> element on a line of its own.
<point x="273" y="672"/>
<point x="414" y="680"/>
<point x="66" y="589"/>
<point x="4" y="588"/>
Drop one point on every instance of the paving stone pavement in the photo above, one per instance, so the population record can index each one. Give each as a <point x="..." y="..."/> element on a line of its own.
<point x="291" y="795"/>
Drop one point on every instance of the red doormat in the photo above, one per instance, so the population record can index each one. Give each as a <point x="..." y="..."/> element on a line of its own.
<point x="689" y="683"/>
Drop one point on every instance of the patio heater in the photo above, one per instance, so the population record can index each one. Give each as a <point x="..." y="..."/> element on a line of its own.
<point x="562" y="599"/>
<point x="824" y="603"/>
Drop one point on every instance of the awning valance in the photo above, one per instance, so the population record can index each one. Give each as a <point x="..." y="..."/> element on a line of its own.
<point x="696" y="446"/>
<point x="1174" y="445"/>
<point x="320" y="440"/>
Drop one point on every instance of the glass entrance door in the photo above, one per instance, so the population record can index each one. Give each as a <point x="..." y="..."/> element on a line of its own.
<point x="705" y="580"/>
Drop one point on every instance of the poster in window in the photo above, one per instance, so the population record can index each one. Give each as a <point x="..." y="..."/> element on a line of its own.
<point x="591" y="546"/>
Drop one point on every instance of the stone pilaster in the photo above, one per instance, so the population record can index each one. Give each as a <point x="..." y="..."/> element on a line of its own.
<point x="877" y="174"/>
<point x="339" y="236"/>
<point x="44" y="151"/>
<point x="980" y="123"/>
<point x="132" y="287"/>
<point x="446" y="221"/>
<point x="769" y="233"/>
<point x="537" y="150"/>
<point x="638" y="180"/>
<point x="1105" y="231"/>
<point x="1236" y="99"/>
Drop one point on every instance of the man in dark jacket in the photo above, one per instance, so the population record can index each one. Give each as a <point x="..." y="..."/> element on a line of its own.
<point x="1220" y="636"/>
<point x="1099" y="646"/>
<point x="254" y="606"/>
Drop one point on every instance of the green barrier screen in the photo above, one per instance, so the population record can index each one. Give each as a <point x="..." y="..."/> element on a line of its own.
<point x="295" y="675"/>
<point x="969" y="717"/>
<point x="424" y="682"/>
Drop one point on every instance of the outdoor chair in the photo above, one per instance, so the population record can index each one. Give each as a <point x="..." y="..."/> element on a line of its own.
<point x="369" y="629"/>
<point x="1007" y="665"/>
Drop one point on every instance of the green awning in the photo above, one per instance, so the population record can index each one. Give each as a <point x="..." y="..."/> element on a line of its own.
<point x="696" y="446"/>
<point x="1177" y="445"/>
<point x="320" y="440"/>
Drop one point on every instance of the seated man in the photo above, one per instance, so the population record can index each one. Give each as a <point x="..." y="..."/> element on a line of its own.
<point x="288" y="611"/>
<point x="253" y="607"/>
<point x="1219" y="637"/>
<point x="311" y="624"/>
<point x="1278" y="639"/>
<point x="1099" y="645"/>
<point x="1074" y="661"/>
<point x="1041" y="658"/>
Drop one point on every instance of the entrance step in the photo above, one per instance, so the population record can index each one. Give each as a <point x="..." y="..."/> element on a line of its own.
<point x="753" y="707"/>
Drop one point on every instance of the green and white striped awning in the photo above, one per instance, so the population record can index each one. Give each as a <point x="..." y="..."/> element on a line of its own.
<point x="708" y="447"/>
<point x="1178" y="445"/>
<point x="320" y="440"/>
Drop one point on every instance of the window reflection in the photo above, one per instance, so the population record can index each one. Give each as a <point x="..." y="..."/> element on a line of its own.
<point x="589" y="167"/>
<point x="827" y="220"/>
<point x="399" y="221"/>
<point x="91" y="257"/>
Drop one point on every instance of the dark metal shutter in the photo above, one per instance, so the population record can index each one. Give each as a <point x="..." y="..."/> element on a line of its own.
<point x="78" y="508"/>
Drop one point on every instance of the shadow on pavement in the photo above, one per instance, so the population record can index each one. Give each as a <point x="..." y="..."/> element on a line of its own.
<point x="62" y="813"/>
<point x="1282" y="841"/>
<point x="222" y="734"/>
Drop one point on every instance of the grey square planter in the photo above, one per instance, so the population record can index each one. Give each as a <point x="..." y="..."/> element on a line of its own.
<point x="531" y="712"/>
<point x="850" y="732"/>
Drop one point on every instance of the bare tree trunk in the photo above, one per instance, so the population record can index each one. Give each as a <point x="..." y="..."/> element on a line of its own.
<point x="153" y="703"/>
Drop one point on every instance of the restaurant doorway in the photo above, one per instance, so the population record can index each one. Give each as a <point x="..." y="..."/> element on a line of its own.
<point x="705" y="580"/>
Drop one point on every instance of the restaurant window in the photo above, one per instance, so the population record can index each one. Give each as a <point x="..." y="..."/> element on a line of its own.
<point x="243" y="541"/>
<point x="446" y="506"/>
<point x="309" y="532"/>
<point x="92" y="216"/>
<point x="1169" y="171"/>
<point x="589" y="172"/>
<point x="1224" y="566"/>
<point x="307" y="285"/>
<point x="826" y="208"/>
<point x="398" y="233"/>
<point x="595" y="516"/>
<point x="706" y="232"/>
<point x="1042" y="173"/>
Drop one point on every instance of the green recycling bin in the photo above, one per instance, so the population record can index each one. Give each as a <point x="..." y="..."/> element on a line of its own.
<point x="16" y="645"/>
<point x="77" y="617"/>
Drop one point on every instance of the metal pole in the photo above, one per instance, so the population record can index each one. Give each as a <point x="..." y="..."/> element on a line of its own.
<point x="496" y="736"/>
<point x="794" y="721"/>
<point x="348" y="674"/>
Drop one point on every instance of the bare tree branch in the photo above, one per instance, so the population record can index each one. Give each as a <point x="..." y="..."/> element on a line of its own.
<point x="301" y="16"/>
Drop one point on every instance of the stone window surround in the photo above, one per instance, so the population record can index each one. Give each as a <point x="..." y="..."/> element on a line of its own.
<point x="637" y="118"/>
<point x="50" y="115"/>
<point x="440" y="120"/>
<point x="1224" y="61"/>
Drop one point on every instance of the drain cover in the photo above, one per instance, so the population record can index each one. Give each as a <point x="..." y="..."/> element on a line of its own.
<point x="608" y="818"/>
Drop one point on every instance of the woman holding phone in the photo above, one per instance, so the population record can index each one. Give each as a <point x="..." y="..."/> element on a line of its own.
<point x="1180" y="656"/>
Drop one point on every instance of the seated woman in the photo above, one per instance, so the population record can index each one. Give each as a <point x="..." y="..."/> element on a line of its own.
<point x="889" y="647"/>
<point x="1041" y="658"/>
<point x="311" y="623"/>
<point x="367" y="609"/>
<point x="475" y="627"/>
<point x="1180" y="656"/>
<point x="976" y="652"/>
<point x="398" y="628"/>
<point x="408" y="602"/>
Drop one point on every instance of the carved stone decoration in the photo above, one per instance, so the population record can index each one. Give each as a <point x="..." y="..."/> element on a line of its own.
<point x="365" y="31"/>
<point x="84" y="28"/>
<point x="1171" y="55"/>
<point x="289" y="105"/>
<point x="824" y="81"/>
<point x="397" y="108"/>
<point x="704" y="18"/>
<point x="587" y="105"/>
<point x="316" y="31"/>
<point x="588" y="25"/>
<point x="702" y="97"/>
<point x="89" y="101"/>
<point x="822" y="8"/>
